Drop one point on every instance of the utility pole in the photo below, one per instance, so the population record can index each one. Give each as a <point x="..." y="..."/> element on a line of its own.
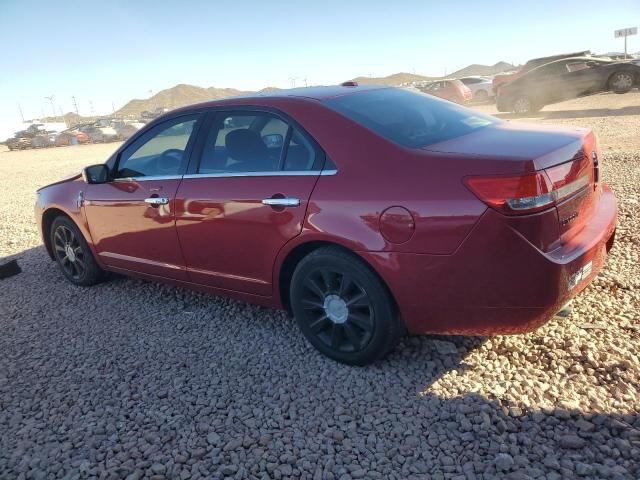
<point x="62" y="116"/>
<point x="75" y="105"/>
<point x="293" y="81"/>
<point x="21" y="114"/>
<point x="53" y="108"/>
<point x="91" y="108"/>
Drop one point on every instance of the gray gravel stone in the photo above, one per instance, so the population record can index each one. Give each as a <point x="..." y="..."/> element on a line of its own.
<point x="504" y="462"/>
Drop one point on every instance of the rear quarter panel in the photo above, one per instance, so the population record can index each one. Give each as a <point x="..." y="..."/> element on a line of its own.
<point x="374" y="174"/>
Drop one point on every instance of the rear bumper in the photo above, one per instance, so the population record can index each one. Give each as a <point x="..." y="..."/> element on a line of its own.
<point x="497" y="282"/>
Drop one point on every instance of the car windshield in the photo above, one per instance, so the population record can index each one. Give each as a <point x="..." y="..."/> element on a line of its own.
<point x="407" y="118"/>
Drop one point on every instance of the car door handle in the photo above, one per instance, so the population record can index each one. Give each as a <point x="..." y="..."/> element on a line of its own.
<point x="282" y="202"/>
<point x="154" y="201"/>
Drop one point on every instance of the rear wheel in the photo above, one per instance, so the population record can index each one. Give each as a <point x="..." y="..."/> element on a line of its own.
<point x="621" y="82"/>
<point x="343" y="308"/>
<point x="523" y="105"/>
<point x="481" y="96"/>
<point x="73" y="255"/>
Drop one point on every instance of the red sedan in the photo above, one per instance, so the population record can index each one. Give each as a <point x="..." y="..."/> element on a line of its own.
<point x="364" y="211"/>
<point x="452" y="90"/>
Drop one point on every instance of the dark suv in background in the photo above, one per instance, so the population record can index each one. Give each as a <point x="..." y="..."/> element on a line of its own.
<point x="566" y="79"/>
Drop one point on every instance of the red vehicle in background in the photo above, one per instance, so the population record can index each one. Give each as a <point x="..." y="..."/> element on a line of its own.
<point x="509" y="77"/>
<point x="364" y="211"/>
<point x="452" y="90"/>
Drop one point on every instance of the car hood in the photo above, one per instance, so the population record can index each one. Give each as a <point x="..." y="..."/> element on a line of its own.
<point x="539" y="144"/>
<point x="67" y="179"/>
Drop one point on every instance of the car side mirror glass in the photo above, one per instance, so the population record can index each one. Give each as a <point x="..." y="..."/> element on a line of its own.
<point x="275" y="140"/>
<point x="95" y="174"/>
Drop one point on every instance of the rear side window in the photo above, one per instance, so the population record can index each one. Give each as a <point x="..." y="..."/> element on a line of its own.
<point x="407" y="118"/>
<point x="255" y="142"/>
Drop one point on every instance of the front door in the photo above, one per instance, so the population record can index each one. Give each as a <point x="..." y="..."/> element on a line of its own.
<point x="132" y="218"/>
<point x="246" y="197"/>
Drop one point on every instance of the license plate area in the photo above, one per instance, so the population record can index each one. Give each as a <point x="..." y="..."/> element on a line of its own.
<point x="580" y="275"/>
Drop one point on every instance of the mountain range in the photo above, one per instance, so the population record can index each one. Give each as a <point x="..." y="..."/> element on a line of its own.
<point x="184" y="94"/>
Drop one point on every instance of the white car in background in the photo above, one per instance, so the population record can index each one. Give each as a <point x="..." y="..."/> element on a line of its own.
<point x="480" y="87"/>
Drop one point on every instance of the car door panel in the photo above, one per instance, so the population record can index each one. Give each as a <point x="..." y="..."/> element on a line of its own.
<point x="131" y="234"/>
<point x="229" y="237"/>
<point x="132" y="217"/>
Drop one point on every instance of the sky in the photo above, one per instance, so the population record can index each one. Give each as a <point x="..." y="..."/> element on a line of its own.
<point x="107" y="52"/>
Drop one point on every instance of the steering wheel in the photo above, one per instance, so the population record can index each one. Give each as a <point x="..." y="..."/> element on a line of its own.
<point x="169" y="160"/>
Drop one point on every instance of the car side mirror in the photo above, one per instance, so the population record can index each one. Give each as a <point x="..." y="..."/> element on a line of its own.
<point x="95" y="174"/>
<point x="274" y="140"/>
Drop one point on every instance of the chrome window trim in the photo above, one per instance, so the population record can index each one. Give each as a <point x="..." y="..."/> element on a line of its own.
<point x="147" y="178"/>
<point x="275" y="173"/>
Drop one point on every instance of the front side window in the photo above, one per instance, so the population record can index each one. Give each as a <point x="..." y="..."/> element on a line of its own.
<point x="254" y="142"/>
<point x="160" y="152"/>
<point x="409" y="118"/>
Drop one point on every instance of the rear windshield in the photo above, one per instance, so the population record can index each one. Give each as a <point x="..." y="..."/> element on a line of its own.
<point x="410" y="119"/>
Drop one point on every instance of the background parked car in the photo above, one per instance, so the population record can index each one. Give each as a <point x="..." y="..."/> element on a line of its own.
<point x="71" y="137"/>
<point x="100" y="134"/>
<point x="509" y="77"/>
<point x="18" y="143"/>
<point x="481" y="87"/>
<point x="452" y="90"/>
<point x="126" y="129"/>
<point x="43" y="140"/>
<point x="566" y="79"/>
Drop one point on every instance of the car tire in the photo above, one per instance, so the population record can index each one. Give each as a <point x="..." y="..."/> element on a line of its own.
<point x="523" y="105"/>
<point x="72" y="253"/>
<point x="481" y="96"/>
<point x="621" y="82"/>
<point x="343" y="308"/>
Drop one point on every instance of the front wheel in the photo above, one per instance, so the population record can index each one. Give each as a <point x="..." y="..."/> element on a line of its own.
<point x="73" y="255"/>
<point x="343" y="308"/>
<point x="621" y="82"/>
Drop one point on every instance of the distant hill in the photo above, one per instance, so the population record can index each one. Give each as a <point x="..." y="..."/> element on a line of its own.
<point x="184" y="94"/>
<point x="395" y="79"/>
<point x="477" y="69"/>
<point x="403" y="77"/>
<point x="175" y="97"/>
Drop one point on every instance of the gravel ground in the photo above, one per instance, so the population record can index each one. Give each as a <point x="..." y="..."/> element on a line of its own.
<point x="131" y="379"/>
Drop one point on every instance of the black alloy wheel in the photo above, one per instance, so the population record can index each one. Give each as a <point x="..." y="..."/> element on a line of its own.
<point x="343" y="308"/>
<point x="72" y="253"/>
<point x="339" y="310"/>
<point x="69" y="253"/>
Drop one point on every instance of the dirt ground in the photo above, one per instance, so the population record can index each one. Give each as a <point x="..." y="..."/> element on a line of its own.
<point x="614" y="118"/>
<point x="132" y="379"/>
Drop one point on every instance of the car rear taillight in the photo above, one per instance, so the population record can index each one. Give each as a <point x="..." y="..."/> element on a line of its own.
<point x="532" y="192"/>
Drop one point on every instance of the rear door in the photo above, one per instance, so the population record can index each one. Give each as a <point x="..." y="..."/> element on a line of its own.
<point x="131" y="218"/>
<point x="244" y="197"/>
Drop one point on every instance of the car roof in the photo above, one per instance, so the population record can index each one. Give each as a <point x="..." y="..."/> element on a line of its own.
<point x="560" y="56"/>
<point x="567" y="60"/>
<point x="276" y="97"/>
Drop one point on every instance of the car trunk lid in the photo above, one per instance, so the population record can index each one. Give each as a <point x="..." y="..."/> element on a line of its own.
<point x="538" y="177"/>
